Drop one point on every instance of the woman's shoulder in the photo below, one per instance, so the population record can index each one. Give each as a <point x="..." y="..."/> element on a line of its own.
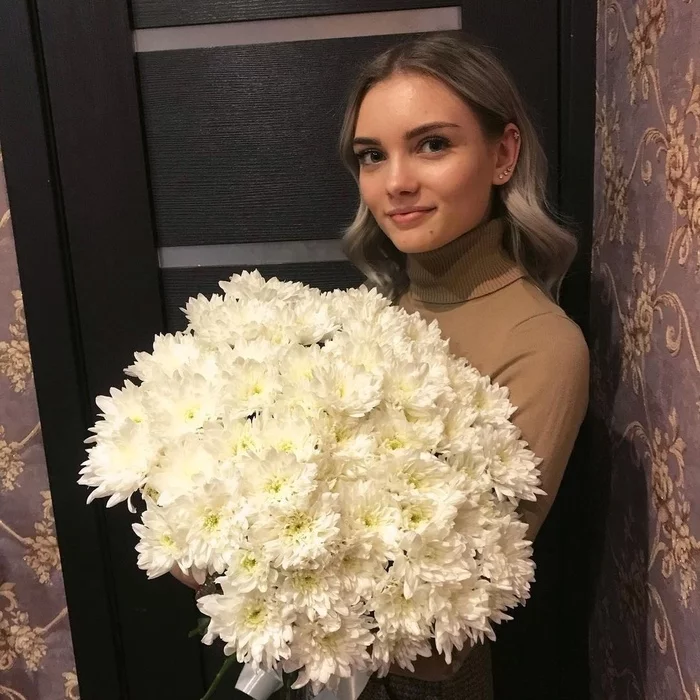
<point x="540" y="326"/>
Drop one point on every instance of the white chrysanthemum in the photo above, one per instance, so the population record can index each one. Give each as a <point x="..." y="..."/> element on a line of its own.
<point x="362" y="353"/>
<point x="349" y="444"/>
<point x="297" y="365"/>
<point x="248" y="571"/>
<point x="491" y="402"/>
<point x="171" y="353"/>
<point x="313" y="320"/>
<point x="263" y="350"/>
<point x="420" y="473"/>
<point x="474" y="465"/>
<point x="463" y="616"/>
<point x="360" y="303"/>
<point x="421" y="512"/>
<point x="397" y="648"/>
<point x="251" y="387"/>
<point x="118" y="466"/>
<point x="477" y="521"/>
<point x="293" y="432"/>
<point x="459" y="434"/>
<point x="229" y="437"/>
<point x="182" y="466"/>
<point x="412" y="388"/>
<point x="275" y="479"/>
<point x="122" y="406"/>
<point x="161" y="541"/>
<point x="252" y="285"/>
<point x="507" y="562"/>
<point x="254" y="626"/>
<point x="395" y="431"/>
<point x="313" y="593"/>
<point x="299" y="538"/>
<point x="431" y="559"/>
<point x="327" y="649"/>
<point x="371" y="518"/>
<point x="398" y="614"/>
<point x="255" y="319"/>
<point x="214" y="522"/>
<point x="209" y="319"/>
<point x="463" y="377"/>
<point x="512" y="466"/>
<point x="359" y="572"/>
<point x="343" y="388"/>
<point x="183" y="405"/>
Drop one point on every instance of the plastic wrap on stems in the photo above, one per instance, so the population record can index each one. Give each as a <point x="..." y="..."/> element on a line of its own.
<point x="261" y="684"/>
<point x="348" y="688"/>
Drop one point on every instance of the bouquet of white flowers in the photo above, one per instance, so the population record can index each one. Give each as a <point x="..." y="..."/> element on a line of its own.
<point x="351" y="485"/>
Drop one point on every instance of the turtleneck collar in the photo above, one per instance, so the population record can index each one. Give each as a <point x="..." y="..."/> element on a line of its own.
<point x="473" y="265"/>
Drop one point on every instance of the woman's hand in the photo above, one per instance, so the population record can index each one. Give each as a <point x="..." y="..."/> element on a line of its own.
<point x="176" y="571"/>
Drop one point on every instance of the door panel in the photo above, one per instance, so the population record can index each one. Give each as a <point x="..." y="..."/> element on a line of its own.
<point x="242" y="140"/>
<point x="166" y="13"/>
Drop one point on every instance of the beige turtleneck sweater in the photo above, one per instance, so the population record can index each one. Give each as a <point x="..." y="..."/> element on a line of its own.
<point x="505" y="326"/>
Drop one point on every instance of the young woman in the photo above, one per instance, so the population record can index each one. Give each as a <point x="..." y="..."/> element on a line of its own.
<point x="453" y="223"/>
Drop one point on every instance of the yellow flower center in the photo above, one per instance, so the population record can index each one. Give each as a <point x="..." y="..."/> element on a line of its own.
<point x="305" y="582"/>
<point x="256" y="616"/>
<point x="211" y="521"/>
<point x="275" y="485"/>
<point x="297" y="524"/>
<point x="395" y="443"/>
<point x="249" y="562"/>
<point x="370" y="520"/>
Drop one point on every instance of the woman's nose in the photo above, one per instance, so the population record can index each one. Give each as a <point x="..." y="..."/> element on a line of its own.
<point x="401" y="179"/>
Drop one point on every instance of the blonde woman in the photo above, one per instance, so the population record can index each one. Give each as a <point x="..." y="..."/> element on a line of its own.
<point x="453" y="223"/>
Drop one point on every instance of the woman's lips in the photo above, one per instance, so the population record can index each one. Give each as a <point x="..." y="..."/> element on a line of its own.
<point x="411" y="217"/>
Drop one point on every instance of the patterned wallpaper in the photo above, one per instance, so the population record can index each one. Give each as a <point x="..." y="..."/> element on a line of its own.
<point x="36" y="655"/>
<point x="644" y="639"/>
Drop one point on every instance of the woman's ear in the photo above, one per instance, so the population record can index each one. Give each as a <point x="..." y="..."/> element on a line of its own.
<point x="507" y="151"/>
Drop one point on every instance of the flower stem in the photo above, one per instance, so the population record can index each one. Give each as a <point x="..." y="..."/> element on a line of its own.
<point x="230" y="660"/>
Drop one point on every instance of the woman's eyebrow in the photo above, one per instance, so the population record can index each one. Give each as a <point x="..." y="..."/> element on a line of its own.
<point x="417" y="131"/>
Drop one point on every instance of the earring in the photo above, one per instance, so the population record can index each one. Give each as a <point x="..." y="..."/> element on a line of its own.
<point x="516" y="135"/>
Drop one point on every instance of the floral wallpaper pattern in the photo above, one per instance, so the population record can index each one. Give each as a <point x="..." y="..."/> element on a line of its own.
<point x="36" y="654"/>
<point x="645" y="319"/>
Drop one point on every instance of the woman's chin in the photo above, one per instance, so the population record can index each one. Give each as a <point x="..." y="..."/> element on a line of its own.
<point x="414" y="242"/>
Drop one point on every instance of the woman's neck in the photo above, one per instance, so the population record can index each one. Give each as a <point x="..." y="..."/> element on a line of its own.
<point x="473" y="265"/>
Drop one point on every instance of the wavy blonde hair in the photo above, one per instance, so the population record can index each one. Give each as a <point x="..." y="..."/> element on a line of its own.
<point x="540" y="245"/>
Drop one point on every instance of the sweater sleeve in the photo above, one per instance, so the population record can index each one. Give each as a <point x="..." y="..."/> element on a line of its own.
<point x="546" y="369"/>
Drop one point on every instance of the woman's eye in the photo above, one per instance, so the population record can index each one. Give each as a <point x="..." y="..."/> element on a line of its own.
<point x="435" y="144"/>
<point x="369" y="157"/>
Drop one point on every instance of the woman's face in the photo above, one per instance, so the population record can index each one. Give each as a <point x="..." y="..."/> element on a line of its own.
<point x="426" y="169"/>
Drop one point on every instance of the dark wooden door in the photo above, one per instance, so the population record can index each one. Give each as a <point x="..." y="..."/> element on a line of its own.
<point x="154" y="147"/>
